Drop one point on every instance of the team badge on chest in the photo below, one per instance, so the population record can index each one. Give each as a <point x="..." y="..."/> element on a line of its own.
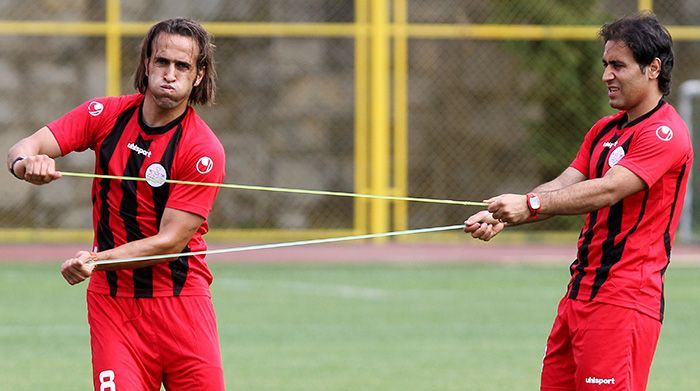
<point x="156" y="175"/>
<point x="616" y="156"/>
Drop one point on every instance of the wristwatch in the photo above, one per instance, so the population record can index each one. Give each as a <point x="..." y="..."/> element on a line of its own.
<point x="533" y="203"/>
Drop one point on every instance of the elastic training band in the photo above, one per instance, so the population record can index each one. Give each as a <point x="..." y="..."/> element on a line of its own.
<point x="278" y="245"/>
<point x="275" y="189"/>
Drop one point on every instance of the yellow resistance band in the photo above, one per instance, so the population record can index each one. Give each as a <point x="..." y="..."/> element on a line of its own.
<point x="277" y="245"/>
<point x="276" y="189"/>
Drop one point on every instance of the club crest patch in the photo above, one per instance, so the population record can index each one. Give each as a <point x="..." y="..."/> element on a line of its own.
<point x="156" y="175"/>
<point x="95" y="108"/>
<point x="204" y="165"/>
<point x="616" y="156"/>
<point x="664" y="133"/>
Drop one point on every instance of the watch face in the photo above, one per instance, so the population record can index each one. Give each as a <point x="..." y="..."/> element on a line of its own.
<point x="534" y="202"/>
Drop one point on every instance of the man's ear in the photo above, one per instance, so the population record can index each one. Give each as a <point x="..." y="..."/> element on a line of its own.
<point x="200" y="76"/>
<point x="654" y="69"/>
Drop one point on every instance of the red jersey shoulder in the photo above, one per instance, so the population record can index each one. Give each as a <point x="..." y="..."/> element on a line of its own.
<point x="203" y="158"/>
<point x="660" y="144"/>
<point x="668" y="126"/>
<point x="665" y="132"/>
<point x="106" y="109"/>
<point x="85" y="125"/>
<point x="112" y="106"/>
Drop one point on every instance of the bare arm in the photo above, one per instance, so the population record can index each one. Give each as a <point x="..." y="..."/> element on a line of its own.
<point x="594" y="194"/>
<point x="484" y="226"/>
<point x="577" y="198"/>
<point x="37" y="153"/>
<point x="176" y="229"/>
<point x="567" y="178"/>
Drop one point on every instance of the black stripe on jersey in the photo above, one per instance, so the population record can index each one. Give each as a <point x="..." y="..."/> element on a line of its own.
<point x="128" y="210"/>
<point x="161" y="194"/>
<point x="582" y="260"/>
<point x="105" y="238"/>
<point x="179" y="267"/>
<point x="667" y="238"/>
<point x="129" y="206"/>
<point x="612" y="253"/>
<point x="667" y="232"/>
<point x="178" y="271"/>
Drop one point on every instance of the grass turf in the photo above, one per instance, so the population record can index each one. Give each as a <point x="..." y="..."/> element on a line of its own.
<point x="346" y="327"/>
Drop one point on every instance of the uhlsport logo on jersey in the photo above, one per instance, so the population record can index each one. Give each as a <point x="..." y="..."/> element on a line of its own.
<point x="204" y="164"/>
<point x="95" y="108"/>
<point x="138" y="149"/>
<point x="599" y="381"/>
<point x="616" y="156"/>
<point x="156" y="175"/>
<point x="664" y="133"/>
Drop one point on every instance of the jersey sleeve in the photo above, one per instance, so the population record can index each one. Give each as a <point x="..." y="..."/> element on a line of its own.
<point x="582" y="160"/>
<point x="204" y="162"/>
<point x="79" y="129"/>
<point x="655" y="150"/>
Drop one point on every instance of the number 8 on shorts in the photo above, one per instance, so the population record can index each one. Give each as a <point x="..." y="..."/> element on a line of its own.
<point x="107" y="381"/>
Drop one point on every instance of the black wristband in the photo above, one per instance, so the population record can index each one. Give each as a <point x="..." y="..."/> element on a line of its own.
<point x="12" y="167"/>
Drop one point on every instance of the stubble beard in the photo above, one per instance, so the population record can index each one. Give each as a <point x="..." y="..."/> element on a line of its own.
<point x="165" y="103"/>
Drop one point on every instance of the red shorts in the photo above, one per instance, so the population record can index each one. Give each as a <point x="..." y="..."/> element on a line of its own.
<point x="598" y="346"/>
<point x="137" y="344"/>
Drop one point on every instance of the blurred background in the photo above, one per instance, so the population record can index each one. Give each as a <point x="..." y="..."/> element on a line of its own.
<point x="456" y="99"/>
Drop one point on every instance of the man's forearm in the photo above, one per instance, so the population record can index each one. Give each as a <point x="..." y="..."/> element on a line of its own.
<point x="579" y="198"/>
<point x="548" y="186"/>
<point x="593" y="194"/>
<point x="154" y="245"/>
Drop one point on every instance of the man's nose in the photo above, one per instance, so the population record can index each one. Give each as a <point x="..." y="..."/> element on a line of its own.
<point x="607" y="75"/>
<point x="170" y="73"/>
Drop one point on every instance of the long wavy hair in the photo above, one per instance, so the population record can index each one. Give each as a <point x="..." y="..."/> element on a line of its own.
<point x="206" y="90"/>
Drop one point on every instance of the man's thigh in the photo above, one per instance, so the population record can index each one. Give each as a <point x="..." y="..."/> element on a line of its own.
<point x="558" y="366"/>
<point x="123" y="357"/>
<point x="190" y="345"/>
<point x="613" y="348"/>
<point x="597" y="346"/>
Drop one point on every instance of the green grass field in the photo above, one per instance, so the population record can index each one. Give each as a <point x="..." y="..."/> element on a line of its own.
<point x="347" y="327"/>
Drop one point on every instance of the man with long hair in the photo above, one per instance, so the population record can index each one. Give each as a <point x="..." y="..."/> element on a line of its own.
<point x="152" y="323"/>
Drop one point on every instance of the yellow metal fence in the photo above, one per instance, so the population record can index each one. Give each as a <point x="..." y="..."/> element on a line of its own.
<point x="383" y="35"/>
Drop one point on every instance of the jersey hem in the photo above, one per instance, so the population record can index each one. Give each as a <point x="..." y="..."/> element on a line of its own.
<point x="58" y="140"/>
<point x="156" y="293"/>
<point x="638" y="171"/>
<point x="653" y="313"/>
<point x="190" y="208"/>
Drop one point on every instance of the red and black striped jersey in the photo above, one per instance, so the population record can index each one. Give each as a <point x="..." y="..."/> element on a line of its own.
<point x="624" y="249"/>
<point x="124" y="211"/>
